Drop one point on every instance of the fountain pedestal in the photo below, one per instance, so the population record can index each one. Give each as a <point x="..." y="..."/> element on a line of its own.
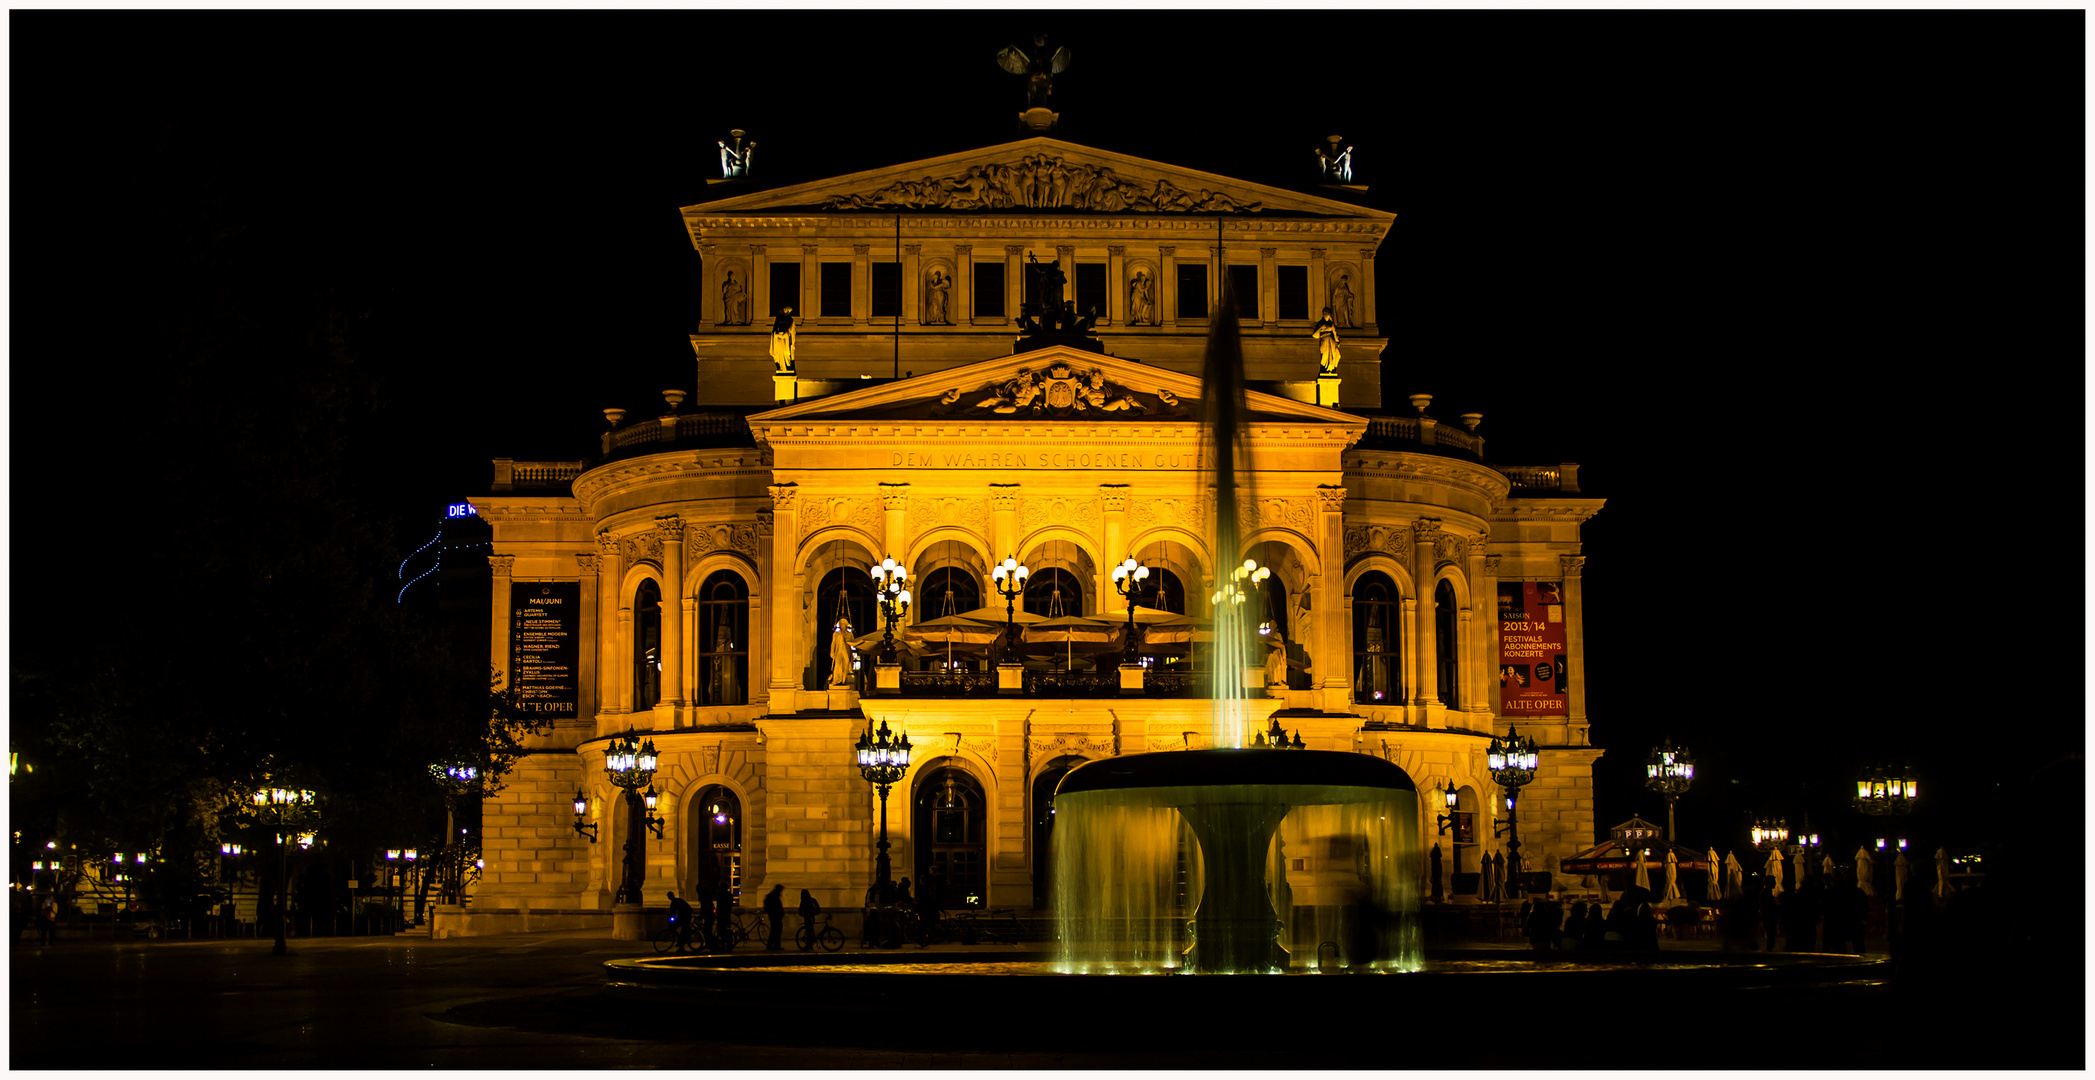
<point x="1235" y="928"/>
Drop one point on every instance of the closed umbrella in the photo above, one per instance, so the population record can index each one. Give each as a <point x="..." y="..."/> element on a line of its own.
<point x="1942" y="873"/>
<point x="1826" y="868"/>
<point x="1715" y="888"/>
<point x="1604" y="897"/>
<point x="1774" y="870"/>
<point x="1672" y="877"/>
<point x="1734" y="875"/>
<point x="1901" y="870"/>
<point x="1796" y="863"/>
<point x="1865" y="872"/>
<point x="1643" y="878"/>
<point x="1487" y="886"/>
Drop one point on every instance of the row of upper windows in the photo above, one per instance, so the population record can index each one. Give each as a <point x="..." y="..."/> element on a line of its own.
<point x="833" y="297"/>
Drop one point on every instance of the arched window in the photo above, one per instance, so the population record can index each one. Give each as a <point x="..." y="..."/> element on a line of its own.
<point x="1444" y="642"/>
<point x="1163" y="592"/>
<point x="718" y="835"/>
<point x="1044" y="828"/>
<point x="1378" y="669"/>
<point x="723" y="636"/>
<point x="951" y="826"/>
<point x="948" y="590"/>
<point x="647" y="645"/>
<point x="844" y="591"/>
<point x="1054" y="592"/>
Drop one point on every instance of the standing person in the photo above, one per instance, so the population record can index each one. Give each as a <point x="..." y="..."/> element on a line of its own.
<point x="724" y="916"/>
<point x="808" y="911"/>
<point x="704" y="926"/>
<point x="47" y="921"/>
<point x="1770" y="916"/>
<point x="680" y="914"/>
<point x="775" y="914"/>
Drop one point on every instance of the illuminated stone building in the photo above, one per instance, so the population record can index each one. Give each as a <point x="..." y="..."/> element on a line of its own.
<point x="684" y="584"/>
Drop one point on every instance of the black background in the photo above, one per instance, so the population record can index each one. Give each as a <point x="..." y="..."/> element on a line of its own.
<point x="1797" y="289"/>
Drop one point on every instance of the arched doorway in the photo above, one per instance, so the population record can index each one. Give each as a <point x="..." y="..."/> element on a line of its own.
<point x="1044" y="827"/>
<point x="951" y="826"/>
<point x="718" y="838"/>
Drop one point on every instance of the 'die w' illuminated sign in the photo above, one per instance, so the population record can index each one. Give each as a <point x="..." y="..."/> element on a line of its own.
<point x="459" y="510"/>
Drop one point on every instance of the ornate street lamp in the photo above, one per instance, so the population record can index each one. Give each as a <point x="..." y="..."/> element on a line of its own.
<point x="631" y="764"/>
<point x="1127" y="581"/>
<point x="883" y="759"/>
<point x="1010" y="580"/>
<point x="894" y="602"/>
<point x="1452" y="798"/>
<point x="1882" y="790"/>
<point x="588" y="828"/>
<point x="285" y="807"/>
<point x="1669" y="771"/>
<point x="1512" y="761"/>
<point x="1277" y="739"/>
<point x="1770" y="834"/>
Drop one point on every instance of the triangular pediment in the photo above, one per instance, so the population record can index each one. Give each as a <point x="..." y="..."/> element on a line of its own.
<point x="1031" y="176"/>
<point x="1056" y="384"/>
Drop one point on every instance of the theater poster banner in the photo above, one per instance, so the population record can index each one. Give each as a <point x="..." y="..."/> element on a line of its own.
<point x="1531" y="650"/>
<point x="545" y="625"/>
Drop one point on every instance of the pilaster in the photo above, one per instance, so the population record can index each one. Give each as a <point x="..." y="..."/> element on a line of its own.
<point x="1113" y="500"/>
<point x="1494" y="694"/>
<point x="589" y="680"/>
<point x="1268" y="289"/>
<point x="1367" y="290"/>
<point x="1479" y="665"/>
<point x="672" y="529"/>
<point x="1320" y="294"/>
<point x="1575" y="637"/>
<point x="861" y="284"/>
<point x="498" y="644"/>
<point x="759" y="285"/>
<point x="1003" y="505"/>
<point x="785" y="599"/>
<point x="894" y="502"/>
<point x="1116" y="285"/>
<point x="1167" y="289"/>
<point x="611" y="682"/>
<point x="762" y="612"/>
<point x="1331" y="661"/>
<point x="1014" y="283"/>
<point x="912" y="284"/>
<point x="810" y="283"/>
<point x="963" y="284"/>
<point x="1425" y="688"/>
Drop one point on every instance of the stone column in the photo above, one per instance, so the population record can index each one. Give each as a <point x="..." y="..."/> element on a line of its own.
<point x="1014" y="282"/>
<point x="672" y="529"/>
<point x="1477" y="666"/>
<point x="1167" y="287"/>
<point x="759" y="686"/>
<point x="590" y="663"/>
<point x="1493" y="695"/>
<point x="1425" y="687"/>
<point x="785" y="600"/>
<point x="498" y="645"/>
<point x="810" y="282"/>
<point x="1003" y="504"/>
<point x="894" y="499"/>
<point x="912" y="284"/>
<point x="1268" y="289"/>
<point x="610" y="666"/>
<point x="1319" y="288"/>
<point x="759" y="286"/>
<point x="1330" y="645"/>
<point x="1367" y="289"/>
<point x="710" y="304"/>
<point x="963" y="284"/>
<point x="1114" y="499"/>
<point x="1575" y="637"/>
<point x="861" y="284"/>
<point x="1116" y="286"/>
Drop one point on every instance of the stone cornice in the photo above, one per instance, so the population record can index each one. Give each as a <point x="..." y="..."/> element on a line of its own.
<point x="591" y="485"/>
<point x="840" y="225"/>
<point x="530" y="510"/>
<point x="1486" y="481"/>
<point x="1553" y="509"/>
<point x="844" y="434"/>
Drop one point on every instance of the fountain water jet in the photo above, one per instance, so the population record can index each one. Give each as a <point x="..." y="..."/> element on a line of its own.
<point x="1187" y="860"/>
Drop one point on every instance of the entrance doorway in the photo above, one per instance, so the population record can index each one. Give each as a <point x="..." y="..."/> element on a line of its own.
<point x="951" y="823"/>
<point x="718" y="858"/>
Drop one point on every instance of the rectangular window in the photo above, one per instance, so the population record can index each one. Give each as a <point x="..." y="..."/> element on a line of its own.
<point x="1293" y="292"/>
<point x="1192" y="291"/>
<point x="989" y="290"/>
<point x="1243" y="281"/>
<point x="836" y="290"/>
<point x="785" y="287"/>
<point x="887" y="290"/>
<point x="1091" y="289"/>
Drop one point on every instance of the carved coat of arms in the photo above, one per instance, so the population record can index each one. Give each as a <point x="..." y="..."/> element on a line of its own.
<point x="1060" y="388"/>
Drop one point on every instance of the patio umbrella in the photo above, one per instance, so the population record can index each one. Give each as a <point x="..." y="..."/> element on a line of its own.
<point x="1715" y="888"/>
<point x="1604" y="898"/>
<point x="1942" y="873"/>
<point x="1826" y="868"/>
<point x="971" y="636"/>
<point x="1672" y="876"/>
<point x="1865" y="872"/>
<point x="1075" y="634"/>
<point x="1774" y="870"/>
<point x="1900" y="872"/>
<point x="1643" y="878"/>
<point x="1796" y="861"/>
<point x="1734" y="875"/>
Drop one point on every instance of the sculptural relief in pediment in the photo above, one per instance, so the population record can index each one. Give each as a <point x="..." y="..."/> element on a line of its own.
<point x="1060" y="391"/>
<point x="1041" y="182"/>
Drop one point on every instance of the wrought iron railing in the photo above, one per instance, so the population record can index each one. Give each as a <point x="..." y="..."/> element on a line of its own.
<point x="949" y="684"/>
<point x="1071" y="684"/>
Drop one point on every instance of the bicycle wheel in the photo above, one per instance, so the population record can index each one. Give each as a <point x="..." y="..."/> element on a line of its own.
<point x="831" y="938"/>
<point x="665" y="939"/>
<point x="804" y="938"/>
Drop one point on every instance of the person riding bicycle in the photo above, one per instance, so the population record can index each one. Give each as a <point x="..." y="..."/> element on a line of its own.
<point x="680" y="915"/>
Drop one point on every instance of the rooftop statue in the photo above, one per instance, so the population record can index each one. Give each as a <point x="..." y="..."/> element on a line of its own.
<point x="1039" y="73"/>
<point x="734" y="160"/>
<point x="1335" y="165"/>
<point x="1326" y="334"/>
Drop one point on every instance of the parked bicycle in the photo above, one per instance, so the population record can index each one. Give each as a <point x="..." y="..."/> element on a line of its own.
<point x="829" y="937"/>
<point x="747" y="924"/>
<point x="665" y="939"/>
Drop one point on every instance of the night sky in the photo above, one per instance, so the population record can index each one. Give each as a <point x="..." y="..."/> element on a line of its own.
<point x="1798" y="290"/>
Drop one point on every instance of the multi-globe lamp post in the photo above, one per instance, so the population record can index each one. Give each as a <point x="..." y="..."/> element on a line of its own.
<point x="1669" y="771"/>
<point x="1883" y="791"/>
<point x="883" y="759"/>
<point x="631" y="764"/>
<point x="1127" y="581"/>
<point x="286" y="809"/>
<point x="1009" y="579"/>
<point x="888" y="579"/>
<point x="1513" y="762"/>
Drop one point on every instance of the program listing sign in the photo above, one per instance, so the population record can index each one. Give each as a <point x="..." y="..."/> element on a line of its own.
<point x="1531" y="650"/>
<point x="545" y="624"/>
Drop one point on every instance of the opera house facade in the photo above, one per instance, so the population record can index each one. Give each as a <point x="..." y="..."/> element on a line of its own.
<point x="992" y="360"/>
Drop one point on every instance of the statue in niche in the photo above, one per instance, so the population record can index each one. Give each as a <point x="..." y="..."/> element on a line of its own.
<point x="1142" y="302"/>
<point x="784" y="336"/>
<point x="734" y="302"/>
<point x="734" y="160"/>
<point x="1342" y="303"/>
<point x="938" y="299"/>
<point x="840" y="674"/>
<point x="1276" y="662"/>
<point x="727" y="682"/>
<point x="1040" y="72"/>
<point x="1325" y="333"/>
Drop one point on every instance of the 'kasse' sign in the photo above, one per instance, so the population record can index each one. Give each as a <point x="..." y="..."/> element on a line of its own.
<point x="544" y="623"/>
<point x="1532" y="681"/>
